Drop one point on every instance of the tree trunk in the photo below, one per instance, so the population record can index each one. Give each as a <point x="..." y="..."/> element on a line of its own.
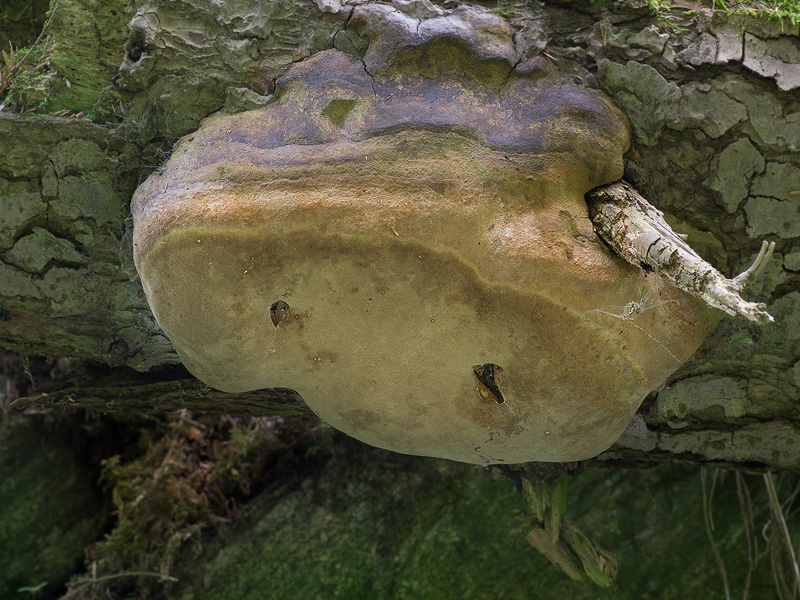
<point x="113" y="86"/>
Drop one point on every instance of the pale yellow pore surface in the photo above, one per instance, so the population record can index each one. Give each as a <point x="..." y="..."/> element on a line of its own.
<point x="400" y="277"/>
<point x="381" y="339"/>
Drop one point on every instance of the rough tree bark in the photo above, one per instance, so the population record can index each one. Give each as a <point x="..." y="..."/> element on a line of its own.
<point x="114" y="85"/>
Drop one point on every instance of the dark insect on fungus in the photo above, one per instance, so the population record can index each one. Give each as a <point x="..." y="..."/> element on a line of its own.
<point x="486" y="378"/>
<point x="278" y="312"/>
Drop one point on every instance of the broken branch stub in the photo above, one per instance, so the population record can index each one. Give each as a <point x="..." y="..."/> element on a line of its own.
<point x="557" y="537"/>
<point x="637" y="232"/>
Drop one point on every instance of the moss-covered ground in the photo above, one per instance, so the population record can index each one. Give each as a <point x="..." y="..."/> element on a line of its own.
<point x="374" y="525"/>
<point x="50" y="506"/>
<point x="260" y="508"/>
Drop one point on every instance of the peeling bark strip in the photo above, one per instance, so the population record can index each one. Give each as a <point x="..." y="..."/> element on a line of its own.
<point x="636" y="231"/>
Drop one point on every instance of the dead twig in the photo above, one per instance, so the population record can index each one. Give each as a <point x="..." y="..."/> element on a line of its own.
<point x="95" y="580"/>
<point x="637" y="232"/>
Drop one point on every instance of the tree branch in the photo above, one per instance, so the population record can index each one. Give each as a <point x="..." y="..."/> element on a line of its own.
<point x="155" y="397"/>
<point x="637" y="232"/>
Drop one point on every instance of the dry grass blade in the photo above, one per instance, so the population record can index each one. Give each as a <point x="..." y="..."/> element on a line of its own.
<point x="8" y="69"/>
<point x="709" y="523"/>
<point x="10" y="59"/>
<point x="746" y="508"/>
<point x="780" y="522"/>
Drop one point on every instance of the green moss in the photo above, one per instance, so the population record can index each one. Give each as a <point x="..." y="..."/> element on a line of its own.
<point x="71" y="69"/>
<point x="788" y="10"/>
<point x="338" y="109"/>
<point x="376" y="525"/>
<point x="776" y="10"/>
<point x="327" y="517"/>
<point x="189" y="475"/>
<point x="32" y="86"/>
<point x="48" y="508"/>
<point x="362" y="540"/>
<point x="445" y="56"/>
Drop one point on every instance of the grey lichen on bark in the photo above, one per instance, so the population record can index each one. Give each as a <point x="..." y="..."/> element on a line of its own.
<point x="636" y="231"/>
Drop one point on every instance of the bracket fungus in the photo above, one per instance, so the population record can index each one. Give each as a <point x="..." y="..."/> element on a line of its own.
<point x="403" y="239"/>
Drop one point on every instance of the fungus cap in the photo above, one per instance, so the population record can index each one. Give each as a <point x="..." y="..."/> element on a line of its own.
<point x="409" y="249"/>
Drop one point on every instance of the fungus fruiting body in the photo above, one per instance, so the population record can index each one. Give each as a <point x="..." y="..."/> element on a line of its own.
<point x="403" y="240"/>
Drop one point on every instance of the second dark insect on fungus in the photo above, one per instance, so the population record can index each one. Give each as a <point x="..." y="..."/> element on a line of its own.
<point x="404" y="240"/>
